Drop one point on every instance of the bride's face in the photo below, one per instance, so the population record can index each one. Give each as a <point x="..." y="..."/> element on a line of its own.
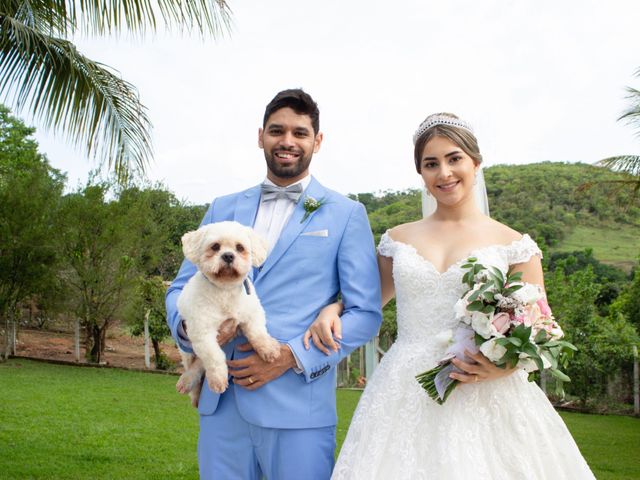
<point x="447" y="171"/>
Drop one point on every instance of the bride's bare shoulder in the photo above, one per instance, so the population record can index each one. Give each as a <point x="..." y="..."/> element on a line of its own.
<point x="504" y="233"/>
<point x="404" y="232"/>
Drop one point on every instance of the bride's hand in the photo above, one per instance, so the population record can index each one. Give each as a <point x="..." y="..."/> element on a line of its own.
<point x="326" y="329"/>
<point x="481" y="371"/>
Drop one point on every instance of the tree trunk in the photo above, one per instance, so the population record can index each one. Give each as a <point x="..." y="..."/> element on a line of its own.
<point x="157" y="352"/>
<point x="94" y="353"/>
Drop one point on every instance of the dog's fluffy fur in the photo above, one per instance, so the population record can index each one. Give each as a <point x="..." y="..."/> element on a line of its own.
<point x="224" y="253"/>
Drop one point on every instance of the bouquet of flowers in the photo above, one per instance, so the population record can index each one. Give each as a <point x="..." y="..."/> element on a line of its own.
<point x="508" y="321"/>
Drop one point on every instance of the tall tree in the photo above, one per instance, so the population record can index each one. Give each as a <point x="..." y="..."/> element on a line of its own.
<point x="30" y="190"/>
<point x="97" y="246"/>
<point x="43" y="72"/>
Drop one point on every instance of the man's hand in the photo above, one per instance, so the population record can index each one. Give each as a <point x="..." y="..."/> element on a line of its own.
<point x="252" y="372"/>
<point x="227" y="331"/>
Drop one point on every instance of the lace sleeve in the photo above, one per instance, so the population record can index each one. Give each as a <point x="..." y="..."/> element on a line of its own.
<point x="522" y="250"/>
<point x="387" y="246"/>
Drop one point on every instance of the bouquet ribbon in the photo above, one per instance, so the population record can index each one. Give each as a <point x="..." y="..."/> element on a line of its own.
<point x="463" y="339"/>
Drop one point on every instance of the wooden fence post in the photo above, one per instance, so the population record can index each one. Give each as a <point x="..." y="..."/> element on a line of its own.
<point x="636" y="382"/>
<point x="5" y="353"/>
<point x="76" y="340"/>
<point x="371" y="357"/>
<point x="543" y="381"/>
<point x="12" y="340"/>
<point x="147" y="359"/>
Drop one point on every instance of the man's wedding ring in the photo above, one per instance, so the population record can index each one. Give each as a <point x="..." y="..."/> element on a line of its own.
<point x="251" y="380"/>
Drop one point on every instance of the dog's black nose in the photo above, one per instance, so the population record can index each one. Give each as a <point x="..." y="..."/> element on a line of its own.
<point x="228" y="257"/>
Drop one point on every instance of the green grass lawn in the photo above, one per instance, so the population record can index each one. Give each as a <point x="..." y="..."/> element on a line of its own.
<point x="59" y="422"/>
<point x="618" y="245"/>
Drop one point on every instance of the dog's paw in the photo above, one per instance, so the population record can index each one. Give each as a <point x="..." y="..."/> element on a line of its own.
<point x="218" y="382"/>
<point x="184" y="385"/>
<point x="187" y="381"/>
<point x="269" y="349"/>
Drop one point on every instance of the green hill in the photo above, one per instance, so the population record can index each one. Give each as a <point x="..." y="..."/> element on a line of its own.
<point x="564" y="206"/>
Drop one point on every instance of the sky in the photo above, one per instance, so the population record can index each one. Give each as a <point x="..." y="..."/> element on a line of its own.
<point x="540" y="80"/>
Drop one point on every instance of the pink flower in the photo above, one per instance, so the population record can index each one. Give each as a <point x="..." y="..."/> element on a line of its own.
<point x="501" y="322"/>
<point x="545" y="310"/>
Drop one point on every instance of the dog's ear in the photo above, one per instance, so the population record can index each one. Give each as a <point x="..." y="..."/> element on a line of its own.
<point x="191" y="245"/>
<point x="258" y="248"/>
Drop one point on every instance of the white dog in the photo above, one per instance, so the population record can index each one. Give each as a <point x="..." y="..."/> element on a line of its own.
<point x="224" y="253"/>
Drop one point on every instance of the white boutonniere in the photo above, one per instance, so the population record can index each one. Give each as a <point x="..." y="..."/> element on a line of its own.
<point x="311" y="205"/>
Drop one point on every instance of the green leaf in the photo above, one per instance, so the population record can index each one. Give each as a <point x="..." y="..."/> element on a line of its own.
<point x="515" y="341"/>
<point x="498" y="274"/>
<point x="488" y="309"/>
<point x="476" y="306"/>
<point x="551" y="358"/>
<point x="541" y="336"/>
<point x="514" y="277"/>
<point x="559" y="375"/>
<point x="513" y="288"/>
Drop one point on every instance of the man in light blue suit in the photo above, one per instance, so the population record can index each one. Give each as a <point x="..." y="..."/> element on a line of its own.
<point x="277" y="420"/>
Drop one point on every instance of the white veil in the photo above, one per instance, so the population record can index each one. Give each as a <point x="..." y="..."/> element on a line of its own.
<point x="479" y="191"/>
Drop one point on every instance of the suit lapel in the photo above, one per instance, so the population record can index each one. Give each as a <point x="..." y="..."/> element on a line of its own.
<point x="294" y="226"/>
<point x="247" y="206"/>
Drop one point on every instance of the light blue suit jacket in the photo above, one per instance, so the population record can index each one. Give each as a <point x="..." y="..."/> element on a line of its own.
<point x="302" y="274"/>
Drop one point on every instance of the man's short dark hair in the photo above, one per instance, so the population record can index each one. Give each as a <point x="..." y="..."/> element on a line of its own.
<point x="297" y="100"/>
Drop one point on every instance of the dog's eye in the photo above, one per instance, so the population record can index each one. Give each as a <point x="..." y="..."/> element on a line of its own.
<point x="239" y="248"/>
<point x="215" y="247"/>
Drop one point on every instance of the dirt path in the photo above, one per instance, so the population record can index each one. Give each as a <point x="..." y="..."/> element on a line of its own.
<point x="122" y="350"/>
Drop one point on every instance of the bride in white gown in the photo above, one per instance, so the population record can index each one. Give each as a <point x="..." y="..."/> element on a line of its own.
<point x="495" y="425"/>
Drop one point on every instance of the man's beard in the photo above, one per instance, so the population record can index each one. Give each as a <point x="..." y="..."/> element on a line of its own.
<point x="287" y="171"/>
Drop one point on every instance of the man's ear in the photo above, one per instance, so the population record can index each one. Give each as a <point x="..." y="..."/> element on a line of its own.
<point x="260" y="142"/>
<point x="258" y="248"/>
<point x="317" y="142"/>
<point x="191" y="245"/>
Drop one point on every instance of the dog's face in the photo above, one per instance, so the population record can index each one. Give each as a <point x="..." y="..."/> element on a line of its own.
<point x="225" y="251"/>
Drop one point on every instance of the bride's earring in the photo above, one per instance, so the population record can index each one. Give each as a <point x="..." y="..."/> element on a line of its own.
<point x="427" y="190"/>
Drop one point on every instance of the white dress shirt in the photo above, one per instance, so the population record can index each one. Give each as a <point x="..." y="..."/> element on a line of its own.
<point x="271" y="219"/>
<point x="273" y="215"/>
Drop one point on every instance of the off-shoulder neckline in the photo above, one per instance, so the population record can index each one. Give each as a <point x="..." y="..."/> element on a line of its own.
<point x="413" y="249"/>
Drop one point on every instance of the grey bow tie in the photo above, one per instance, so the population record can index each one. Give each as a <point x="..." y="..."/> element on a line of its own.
<point x="273" y="192"/>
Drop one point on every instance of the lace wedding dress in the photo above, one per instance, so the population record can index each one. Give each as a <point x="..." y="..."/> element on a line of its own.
<point x="504" y="429"/>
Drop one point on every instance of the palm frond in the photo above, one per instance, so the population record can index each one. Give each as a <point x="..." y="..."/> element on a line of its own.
<point x="68" y="91"/>
<point x="629" y="164"/>
<point x="49" y="17"/>
<point x="208" y="17"/>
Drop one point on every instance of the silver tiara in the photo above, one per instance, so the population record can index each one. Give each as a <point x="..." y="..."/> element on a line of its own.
<point x="433" y="120"/>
